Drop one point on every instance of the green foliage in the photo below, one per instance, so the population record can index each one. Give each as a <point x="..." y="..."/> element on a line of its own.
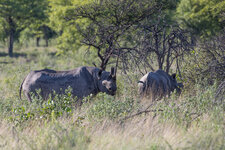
<point x="21" y="13"/>
<point x="204" y="17"/>
<point x="106" y="107"/>
<point x="100" y="25"/>
<point x="2" y="30"/>
<point x="21" y="10"/>
<point x="52" y="108"/>
<point x="16" y="15"/>
<point x="205" y="64"/>
<point x="69" y="38"/>
<point x="193" y="107"/>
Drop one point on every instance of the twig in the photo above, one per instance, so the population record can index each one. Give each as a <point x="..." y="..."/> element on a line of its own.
<point x="144" y="111"/>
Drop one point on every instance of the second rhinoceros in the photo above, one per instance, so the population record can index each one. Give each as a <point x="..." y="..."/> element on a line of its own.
<point x="158" y="84"/>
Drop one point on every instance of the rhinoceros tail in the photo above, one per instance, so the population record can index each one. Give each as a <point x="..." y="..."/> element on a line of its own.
<point x="21" y="86"/>
<point x="141" y="82"/>
<point x="144" y="86"/>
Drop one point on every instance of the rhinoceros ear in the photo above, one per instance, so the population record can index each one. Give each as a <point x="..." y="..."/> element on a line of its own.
<point x="99" y="74"/>
<point x="174" y="76"/>
<point x="113" y="73"/>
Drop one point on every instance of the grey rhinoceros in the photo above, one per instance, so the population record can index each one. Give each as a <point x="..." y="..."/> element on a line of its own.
<point x="155" y="85"/>
<point x="83" y="81"/>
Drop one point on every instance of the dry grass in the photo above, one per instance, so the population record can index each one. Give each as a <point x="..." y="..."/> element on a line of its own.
<point x="142" y="132"/>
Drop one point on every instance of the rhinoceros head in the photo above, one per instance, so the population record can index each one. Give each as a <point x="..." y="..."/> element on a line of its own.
<point x="107" y="81"/>
<point x="176" y="86"/>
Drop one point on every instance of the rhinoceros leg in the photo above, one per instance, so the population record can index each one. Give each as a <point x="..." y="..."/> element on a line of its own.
<point x="28" y="96"/>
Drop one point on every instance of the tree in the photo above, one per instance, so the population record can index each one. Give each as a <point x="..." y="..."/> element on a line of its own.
<point x="69" y="38"/>
<point x="48" y="33"/>
<point x="106" y="24"/>
<point x="42" y="30"/>
<point x="159" y="45"/>
<point x="203" y="17"/>
<point x="17" y="15"/>
<point x="206" y="64"/>
<point x="206" y="19"/>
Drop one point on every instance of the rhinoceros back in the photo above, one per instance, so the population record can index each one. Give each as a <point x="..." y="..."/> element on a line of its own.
<point x="49" y="81"/>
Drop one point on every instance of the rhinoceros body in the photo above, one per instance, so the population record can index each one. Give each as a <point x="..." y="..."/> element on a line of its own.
<point x="155" y="85"/>
<point x="83" y="81"/>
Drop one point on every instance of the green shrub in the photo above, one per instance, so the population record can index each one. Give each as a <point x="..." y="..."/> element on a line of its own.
<point x="52" y="108"/>
<point x="191" y="107"/>
<point x="107" y="107"/>
<point x="205" y="65"/>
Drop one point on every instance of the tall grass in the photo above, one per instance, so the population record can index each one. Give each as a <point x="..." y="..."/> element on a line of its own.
<point x="188" y="121"/>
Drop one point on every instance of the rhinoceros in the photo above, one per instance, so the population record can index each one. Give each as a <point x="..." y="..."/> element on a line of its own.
<point x="83" y="81"/>
<point x="155" y="85"/>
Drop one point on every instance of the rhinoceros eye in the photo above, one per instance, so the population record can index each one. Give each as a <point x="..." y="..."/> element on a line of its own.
<point x="104" y="83"/>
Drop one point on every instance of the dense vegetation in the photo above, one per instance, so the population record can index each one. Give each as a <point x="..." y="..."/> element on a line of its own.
<point x="136" y="36"/>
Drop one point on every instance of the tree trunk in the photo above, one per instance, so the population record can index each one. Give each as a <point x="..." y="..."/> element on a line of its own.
<point x="37" y="41"/>
<point x="160" y="63"/>
<point x="46" y="42"/>
<point x="168" y="60"/>
<point x="11" y="42"/>
<point x="11" y="36"/>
